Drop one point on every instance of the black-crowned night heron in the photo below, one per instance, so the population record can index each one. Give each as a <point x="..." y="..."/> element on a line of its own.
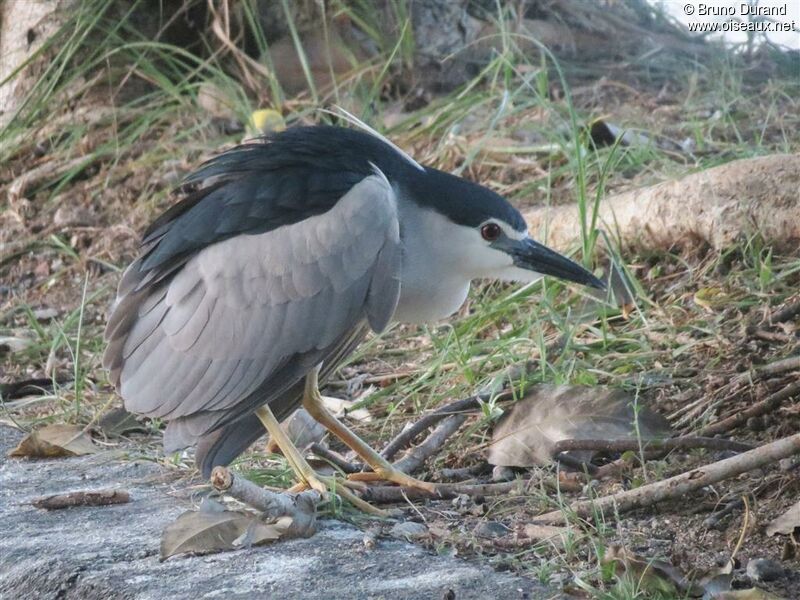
<point x="271" y="273"/>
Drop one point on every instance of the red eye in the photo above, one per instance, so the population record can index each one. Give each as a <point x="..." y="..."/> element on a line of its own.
<point x="491" y="231"/>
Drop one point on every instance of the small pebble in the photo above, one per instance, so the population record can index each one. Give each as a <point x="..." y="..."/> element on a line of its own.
<point x="763" y="569"/>
<point x="408" y="530"/>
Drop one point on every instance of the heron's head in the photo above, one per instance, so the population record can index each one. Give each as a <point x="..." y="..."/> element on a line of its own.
<point x="484" y="235"/>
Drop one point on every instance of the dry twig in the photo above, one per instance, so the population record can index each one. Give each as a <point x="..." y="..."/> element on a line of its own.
<point x="416" y="457"/>
<point x="300" y="507"/>
<point x="451" y="490"/>
<point x="680" y="485"/>
<point x="740" y="418"/>
<point x="83" y="498"/>
<point x="405" y="437"/>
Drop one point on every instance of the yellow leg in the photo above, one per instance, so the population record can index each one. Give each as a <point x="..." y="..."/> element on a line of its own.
<point x="383" y="470"/>
<point x="303" y="470"/>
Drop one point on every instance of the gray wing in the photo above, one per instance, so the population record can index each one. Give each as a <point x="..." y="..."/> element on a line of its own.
<point x="244" y="319"/>
<point x="223" y="445"/>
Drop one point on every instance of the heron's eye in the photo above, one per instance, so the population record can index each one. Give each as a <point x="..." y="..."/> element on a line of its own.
<point x="491" y="231"/>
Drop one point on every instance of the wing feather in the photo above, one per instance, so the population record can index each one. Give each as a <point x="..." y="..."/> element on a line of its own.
<point x="242" y="320"/>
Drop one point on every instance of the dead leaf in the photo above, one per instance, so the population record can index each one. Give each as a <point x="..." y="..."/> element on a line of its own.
<point x="213" y="529"/>
<point x="341" y="408"/>
<point x="117" y="422"/>
<point x="787" y="524"/>
<point x="54" y="441"/>
<point x="528" y="432"/>
<point x="302" y="429"/>
<point x="716" y="580"/>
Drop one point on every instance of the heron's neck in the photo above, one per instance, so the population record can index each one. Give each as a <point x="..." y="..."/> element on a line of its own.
<point x="433" y="284"/>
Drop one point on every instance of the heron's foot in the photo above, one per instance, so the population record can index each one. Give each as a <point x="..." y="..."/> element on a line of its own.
<point x="307" y="477"/>
<point x="390" y="473"/>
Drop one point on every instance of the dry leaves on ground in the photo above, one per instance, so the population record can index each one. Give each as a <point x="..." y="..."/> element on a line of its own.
<point x="213" y="529"/>
<point x="527" y="434"/>
<point x="54" y="441"/>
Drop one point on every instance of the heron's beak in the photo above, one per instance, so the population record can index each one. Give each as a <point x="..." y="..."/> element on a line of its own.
<point x="533" y="256"/>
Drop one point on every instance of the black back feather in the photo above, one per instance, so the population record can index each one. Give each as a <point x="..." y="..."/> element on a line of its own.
<point x="291" y="176"/>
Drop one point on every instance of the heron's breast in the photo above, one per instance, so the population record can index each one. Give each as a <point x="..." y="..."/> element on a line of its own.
<point x="423" y="300"/>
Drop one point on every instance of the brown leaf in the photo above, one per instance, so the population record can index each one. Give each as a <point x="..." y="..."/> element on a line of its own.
<point x="117" y="422"/>
<point x="341" y="408"/>
<point x="788" y="523"/>
<point x="528" y="432"/>
<point x="54" y="441"/>
<point x="207" y="531"/>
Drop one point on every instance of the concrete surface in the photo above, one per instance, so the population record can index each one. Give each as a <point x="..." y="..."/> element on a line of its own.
<point x="112" y="551"/>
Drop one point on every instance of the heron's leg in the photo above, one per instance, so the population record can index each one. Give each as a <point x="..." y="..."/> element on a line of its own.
<point x="383" y="469"/>
<point x="303" y="470"/>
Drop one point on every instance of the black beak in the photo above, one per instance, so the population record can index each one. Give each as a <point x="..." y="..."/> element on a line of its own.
<point x="533" y="256"/>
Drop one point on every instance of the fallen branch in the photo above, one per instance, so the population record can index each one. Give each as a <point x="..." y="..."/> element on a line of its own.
<point x="36" y="176"/>
<point x="385" y="493"/>
<point x="416" y="457"/>
<point x="680" y="485"/>
<point x="405" y="437"/>
<point x="300" y="507"/>
<point x="740" y="418"/>
<point x="83" y="498"/>
<point x="774" y="336"/>
<point x="792" y="363"/>
<point x="710" y="206"/>
<point x="650" y="445"/>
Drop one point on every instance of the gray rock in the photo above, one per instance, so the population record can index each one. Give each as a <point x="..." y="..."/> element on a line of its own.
<point x="500" y="473"/>
<point x="112" y="551"/>
<point x="491" y="529"/>
<point x="764" y="569"/>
